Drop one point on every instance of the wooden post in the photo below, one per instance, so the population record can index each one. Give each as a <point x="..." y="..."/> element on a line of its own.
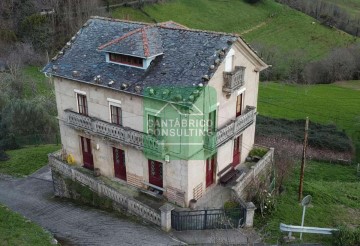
<point x="303" y="159"/>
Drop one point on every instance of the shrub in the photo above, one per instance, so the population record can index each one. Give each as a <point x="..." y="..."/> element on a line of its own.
<point x="346" y="236"/>
<point x="3" y="155"/>
<point x="260" y="152"/>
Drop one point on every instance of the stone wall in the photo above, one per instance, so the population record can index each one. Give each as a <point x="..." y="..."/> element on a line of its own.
<point x="64" y="176"/>
<point x="263" y="166"/>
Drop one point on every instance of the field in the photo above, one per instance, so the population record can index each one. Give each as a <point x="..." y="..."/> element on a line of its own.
<point x="268" y="22"/>
<point x="331" y="103"/>
<point x="335" y="191"/>
<point x="16" y="230"/>
<point x="27" y="160"/>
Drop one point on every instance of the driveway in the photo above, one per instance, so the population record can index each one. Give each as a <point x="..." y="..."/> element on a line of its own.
<point x="73" y="224"/>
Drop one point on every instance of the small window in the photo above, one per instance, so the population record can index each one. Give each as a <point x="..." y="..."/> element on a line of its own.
<point x="212" y="122"/>
<point x="82" y="104"/>
<point x="124" y="59"/>
<point x="116" y="115"/>
<point x="239" y="100"/>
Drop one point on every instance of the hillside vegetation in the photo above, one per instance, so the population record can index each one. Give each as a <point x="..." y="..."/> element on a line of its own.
<point x="335" y="200"/>
<point x="329" y="104"/>
<point x="268" y="23"/>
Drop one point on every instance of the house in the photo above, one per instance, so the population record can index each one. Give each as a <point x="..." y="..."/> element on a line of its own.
<point x="160" y="107"/>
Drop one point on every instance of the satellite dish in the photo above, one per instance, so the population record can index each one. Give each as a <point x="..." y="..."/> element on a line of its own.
<point x="306" y="201"/>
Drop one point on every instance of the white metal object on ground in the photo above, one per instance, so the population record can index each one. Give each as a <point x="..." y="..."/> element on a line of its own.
<point x="305" y="229"/>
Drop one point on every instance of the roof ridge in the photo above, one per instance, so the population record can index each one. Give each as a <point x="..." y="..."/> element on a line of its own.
<point x="162" y="26"/>
<point x="120" y="20"/>
<point x="117" y="40"/>
<point x="145" y="42"/>
<point x="197" y="30"/>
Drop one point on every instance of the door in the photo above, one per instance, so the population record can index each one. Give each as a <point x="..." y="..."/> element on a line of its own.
<point x="237" y="151"/>
<point x="239" y="100"/>
<point x="87" y="153"/>
<point x="210" y="168"/>
<point x="119" y="163"/>
<point x="155" y="173"/>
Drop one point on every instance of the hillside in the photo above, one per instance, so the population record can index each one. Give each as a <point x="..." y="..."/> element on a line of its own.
<point x="268" y="23"/>
<point x="335" y="103"/>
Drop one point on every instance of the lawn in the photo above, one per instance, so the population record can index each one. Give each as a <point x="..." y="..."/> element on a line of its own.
<point x="17" y="230"/>
<point x="327" y="103"/>
<point x="27" y="160"/>
<point x="43" y="87"/>
<point x="352" y="6"/>
<point x="268" y="22"/>
<point x="335" y="190"/>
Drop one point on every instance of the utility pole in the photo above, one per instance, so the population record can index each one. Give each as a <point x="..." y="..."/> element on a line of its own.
<point x="303" y="159"/>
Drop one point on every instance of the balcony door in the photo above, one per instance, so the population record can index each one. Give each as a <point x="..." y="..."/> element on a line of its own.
<point x="119" y="163"/>
<point x="239" y="102"/>
<point x="210" y="170"/>
<point x="87" y="153"/>
<point x="237" y="151"/>
<point x="155" y="173"/>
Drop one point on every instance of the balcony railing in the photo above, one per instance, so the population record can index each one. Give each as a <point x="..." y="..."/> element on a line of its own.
<point x="233" y="80"/>
<point x="230" y="130"/>
<point x="124" y="135"/>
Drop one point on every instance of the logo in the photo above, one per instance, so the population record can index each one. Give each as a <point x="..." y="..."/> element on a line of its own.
<point x="180" y="122"/>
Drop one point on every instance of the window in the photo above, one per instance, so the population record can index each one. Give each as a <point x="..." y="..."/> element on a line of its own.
<point x="239" y="100"/>
<point x="124" y="59"/>
<point x="116" y="115"/>
<point x="82" y="104"/>
<point x="212" y="122"/>
<point x="154" y="125"/>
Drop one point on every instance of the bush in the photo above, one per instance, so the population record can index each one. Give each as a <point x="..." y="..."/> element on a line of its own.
<point x="320" y="136"/>
<point x="260" y="152"/>
<point x="346" y="236"/>
<point x="3" y="155"/>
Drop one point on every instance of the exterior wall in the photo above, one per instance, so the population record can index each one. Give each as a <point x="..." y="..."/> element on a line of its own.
<point x="227" y="105"/>
<point x="182" y="180"/>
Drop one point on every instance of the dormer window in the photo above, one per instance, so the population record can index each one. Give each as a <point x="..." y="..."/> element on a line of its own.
<point x="137" y="48"/>
<point x="125" y="59"/>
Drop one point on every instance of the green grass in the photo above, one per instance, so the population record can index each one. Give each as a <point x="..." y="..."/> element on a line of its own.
<point x="335" y="190"/>
<point x="277" y="24"/>
<point x="17" y="230"/>
<point x="26" y="160"/>
<point x="326" y="103"/>
<point x="43" y="87"/>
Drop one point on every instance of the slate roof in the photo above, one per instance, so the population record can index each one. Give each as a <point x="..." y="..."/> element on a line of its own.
<point x="189" y="60"/>
<point x="142" y="42"/>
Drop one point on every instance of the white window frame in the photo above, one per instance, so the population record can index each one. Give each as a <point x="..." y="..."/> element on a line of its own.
<point x="78" y="92"/>
<point x="116" y="103"/>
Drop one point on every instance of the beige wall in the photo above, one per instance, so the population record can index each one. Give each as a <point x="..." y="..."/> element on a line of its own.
<point x="179" y="175"/>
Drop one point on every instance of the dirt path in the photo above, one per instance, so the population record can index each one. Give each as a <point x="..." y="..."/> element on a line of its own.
<point x="253" y="28"/>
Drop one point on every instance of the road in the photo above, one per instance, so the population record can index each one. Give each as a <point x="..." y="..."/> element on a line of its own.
<point x="73" y="224"/>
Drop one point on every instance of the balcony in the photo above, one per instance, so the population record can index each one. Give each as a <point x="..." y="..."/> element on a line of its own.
<point x="230" y="130"/>
<point x="124" y="135"/>
<point x="233" y="80"/>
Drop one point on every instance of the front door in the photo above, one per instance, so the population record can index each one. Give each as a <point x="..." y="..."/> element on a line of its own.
<point x="210" y="168"/>
<point x="237" y="151"/>
<point x="87" y="153"/>
<point x="119" y="163"/>
<point x="155" y="173"/>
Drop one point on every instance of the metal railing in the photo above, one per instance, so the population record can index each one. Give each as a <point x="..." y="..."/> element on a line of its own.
<point x="124" y="135"/>
<point x="227" y="132"/>
<point x="233" y="80"/>
<point x="208" y="219"/>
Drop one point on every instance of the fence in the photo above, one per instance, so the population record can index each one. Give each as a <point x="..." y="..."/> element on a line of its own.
<point x="208" y="219"/>
<point x="132" y="205"/>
